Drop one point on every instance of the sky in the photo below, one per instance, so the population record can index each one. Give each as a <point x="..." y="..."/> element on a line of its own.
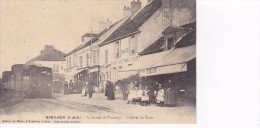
<point x="27" y="25"/>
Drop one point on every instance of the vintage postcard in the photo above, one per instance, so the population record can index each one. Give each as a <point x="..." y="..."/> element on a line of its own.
<point x="98" y="61"/>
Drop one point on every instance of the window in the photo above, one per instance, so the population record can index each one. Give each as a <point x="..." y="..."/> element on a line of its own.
<point x="166" y="14"/>
<point x="55" y="68"/>
<point x="87" y="60"/>
<point x="170" y="42"/>
<point x="133" y="45"/>
<point x="117" y="49"/>
<point x="106" y="56"/>
<point x="94" y="57"/>
<point x="80" y="62"/>
<point x="75" y="60"/>
<point x="69" y="62"/>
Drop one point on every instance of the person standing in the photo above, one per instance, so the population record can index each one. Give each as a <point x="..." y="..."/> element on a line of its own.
<point x="131" y="93"/>
<point x="66" y="88"/>
<point x="90" y="89"/>
<point x="84" y="89"/>
<point x="170" y="97"/>
<point x="110" y="91"/>
<point x="160" y="96"/>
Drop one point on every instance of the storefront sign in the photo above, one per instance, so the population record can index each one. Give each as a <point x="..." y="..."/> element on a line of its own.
<point x="163" y="70"/>
<point x="126" y="60"/>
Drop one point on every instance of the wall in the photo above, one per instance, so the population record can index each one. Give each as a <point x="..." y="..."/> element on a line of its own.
<point x="151" y="30"/>
<point x="182" y="11"/>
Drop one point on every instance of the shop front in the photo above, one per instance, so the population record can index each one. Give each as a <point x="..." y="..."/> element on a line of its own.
<point x="177" y="72"/>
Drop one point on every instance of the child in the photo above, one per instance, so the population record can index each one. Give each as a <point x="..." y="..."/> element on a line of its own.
<point x="160" y="96"/>
<point x="131" y="93"/>
<point x="139" y="94"/>
<point x="145" y="97"/>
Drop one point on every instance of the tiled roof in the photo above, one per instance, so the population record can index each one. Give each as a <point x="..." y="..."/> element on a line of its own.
<point x="92" y="40"/>
<point x="132" y="24"/>
<point x="49" y="55"/>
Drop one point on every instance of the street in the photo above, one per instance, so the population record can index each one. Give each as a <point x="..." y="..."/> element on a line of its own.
<point x="77" y="109"/>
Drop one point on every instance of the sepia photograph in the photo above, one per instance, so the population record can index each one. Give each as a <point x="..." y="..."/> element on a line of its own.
<point x="98" y="62"/>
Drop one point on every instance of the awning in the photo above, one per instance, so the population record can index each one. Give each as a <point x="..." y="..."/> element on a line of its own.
<point x="174" y="62"/>
<point x="177" y="56"/>
<point x="145" y="61"/>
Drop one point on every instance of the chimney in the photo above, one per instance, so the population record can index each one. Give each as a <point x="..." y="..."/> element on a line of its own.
<point x="104" y="24"/>
<point x="135" y="6"/>
<point x="126" y="12"/>
<point x="48" y="48"/>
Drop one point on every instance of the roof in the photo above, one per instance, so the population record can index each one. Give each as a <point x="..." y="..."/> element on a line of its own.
<point x="49" y="55"/>
<point x="185" y="40"/>
<point x="188" y="39"/>
<point x="92" y="40"/>
<point x="172" y="29"/>
<point x="154" y="47"/>
<point x="90" y="35"/>
<point x="132" y="24"/>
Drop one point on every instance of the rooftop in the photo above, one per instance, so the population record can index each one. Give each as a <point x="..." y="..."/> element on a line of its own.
<point x="186" y="40"/>
<point x="132" y="24"/>
<point x="49" y="54"/>
<point x="96" y="38"/>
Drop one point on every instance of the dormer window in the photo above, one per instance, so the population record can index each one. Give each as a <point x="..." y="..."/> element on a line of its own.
<point x="170" y="42"/>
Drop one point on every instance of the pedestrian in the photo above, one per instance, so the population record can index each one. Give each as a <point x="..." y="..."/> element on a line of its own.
<point x="70" y="86"/>
<point x="66" y="88"/>
<point x="170" y="97"/>
<point x="131" y="93"/>
<point x="160" y="96"/>
<point x="145" y="97"/>
<point x="139" y="94"/>
<point x="110" y="91"/>
<point x="90" y="89"/>
<point x="84" y="89"/>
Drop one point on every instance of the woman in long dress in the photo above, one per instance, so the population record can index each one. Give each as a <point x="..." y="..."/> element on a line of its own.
<point x="84" y="89"/>
<point x="170" y="96"/>
<point x="160" y="96"/>
<point x="131" y="93"/>
<point x="110" y="91"/>
<point x="145" y="97"/>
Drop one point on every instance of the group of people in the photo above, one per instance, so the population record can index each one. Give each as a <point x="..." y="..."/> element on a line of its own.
<point x="144" y="94"/>
<point x="163" y="95"/>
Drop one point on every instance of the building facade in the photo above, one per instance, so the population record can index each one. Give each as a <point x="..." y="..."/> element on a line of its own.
<point x="52" y="58"/>
<point x="121" y="50"/>
<point x="82" y="63"/>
